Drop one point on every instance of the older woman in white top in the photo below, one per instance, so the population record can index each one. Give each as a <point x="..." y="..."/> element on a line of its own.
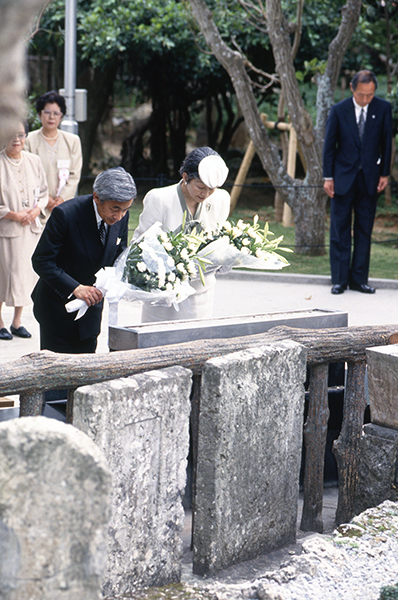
<point x="207" y="207"/>
<point x="60" y="151"/>
<point x="23" y="194"/>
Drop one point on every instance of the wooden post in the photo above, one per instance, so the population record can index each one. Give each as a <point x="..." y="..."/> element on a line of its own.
<point x="315" y="431"/>
<point x="241" y="176"/>
<point x="288" y="219"/>
<point x="31" y="404"/>
<point x="346" y="447"/>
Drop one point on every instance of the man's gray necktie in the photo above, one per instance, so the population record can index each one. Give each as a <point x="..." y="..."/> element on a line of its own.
<point x="102" y="233"/>
<point x="361" y="124"/>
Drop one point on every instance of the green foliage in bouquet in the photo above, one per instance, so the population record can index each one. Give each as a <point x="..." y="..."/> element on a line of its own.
<point x="249" y="239"/>
<point x="176" y="262"/>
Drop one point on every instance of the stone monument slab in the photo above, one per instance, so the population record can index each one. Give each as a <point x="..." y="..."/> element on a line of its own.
<point x="249" y="455"/>
<point x="377" y="472"/>
<point x="55" y="490"/>
<point x="141" y="423"/>
<point x="382" y="364"/>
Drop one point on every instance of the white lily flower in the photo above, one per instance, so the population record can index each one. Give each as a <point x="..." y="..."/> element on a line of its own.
<point x="180" y="267"/>
<point x="141" y="266"/>
<point x="191" y="268"/>
<point x="261" y="254"/>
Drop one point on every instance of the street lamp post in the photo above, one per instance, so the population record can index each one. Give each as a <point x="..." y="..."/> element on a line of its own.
<point x="69" y="122"/>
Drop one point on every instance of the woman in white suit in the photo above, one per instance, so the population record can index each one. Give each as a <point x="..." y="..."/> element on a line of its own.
<point x="206" y="206"/>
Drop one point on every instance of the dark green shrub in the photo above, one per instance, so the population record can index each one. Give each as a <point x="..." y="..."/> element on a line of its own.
<point x="389" y="592"/>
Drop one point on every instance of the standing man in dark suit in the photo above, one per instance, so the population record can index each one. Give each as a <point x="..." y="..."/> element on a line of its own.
<point x="356" y="166"/>
<point x="81" y="236"/>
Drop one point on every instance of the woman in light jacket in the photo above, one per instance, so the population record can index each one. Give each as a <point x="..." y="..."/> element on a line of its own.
<point x="60" y="151"/>
<point x="23" y="195"/>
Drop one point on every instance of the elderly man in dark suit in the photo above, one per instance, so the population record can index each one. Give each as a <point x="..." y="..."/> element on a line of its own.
<point x="356" y="166"/>
<point x="81" y="236"/>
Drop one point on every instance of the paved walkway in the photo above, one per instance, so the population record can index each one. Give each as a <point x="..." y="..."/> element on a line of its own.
<point x="248" y="293"/>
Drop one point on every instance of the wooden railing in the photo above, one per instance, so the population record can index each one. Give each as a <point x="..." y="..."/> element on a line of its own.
<point x="33" y="374"/>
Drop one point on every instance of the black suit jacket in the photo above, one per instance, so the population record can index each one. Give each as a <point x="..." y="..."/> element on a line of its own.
<point x="70" y="253"/>
<point x="344" y="154"/>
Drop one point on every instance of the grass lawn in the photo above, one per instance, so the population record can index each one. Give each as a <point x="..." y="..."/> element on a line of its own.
<point x="384" y="253"/>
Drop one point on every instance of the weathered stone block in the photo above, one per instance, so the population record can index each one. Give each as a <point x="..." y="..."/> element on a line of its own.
<point x="383" y="385"/>
<point x="250" y="439"/>
<point x="377" y="467"/>
<point x="55" y="490"/>
<point x="142" y="425"/>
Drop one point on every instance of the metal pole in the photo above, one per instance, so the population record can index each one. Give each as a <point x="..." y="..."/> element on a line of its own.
<point x="69" y="122"/>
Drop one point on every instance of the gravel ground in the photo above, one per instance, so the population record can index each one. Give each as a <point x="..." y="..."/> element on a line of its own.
<point x="353" y="563"/>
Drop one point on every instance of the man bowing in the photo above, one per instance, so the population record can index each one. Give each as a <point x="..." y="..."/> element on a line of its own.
<point x="356" y="166"/>
<point x="80" y="237"/>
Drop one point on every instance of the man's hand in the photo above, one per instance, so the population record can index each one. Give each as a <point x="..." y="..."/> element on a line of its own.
<point x="383" y="181"/>
<point x="90" y="294"/>
<point x="328" y="186"/>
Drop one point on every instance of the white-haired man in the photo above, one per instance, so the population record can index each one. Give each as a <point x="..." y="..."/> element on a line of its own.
<point x="81" y="236"/>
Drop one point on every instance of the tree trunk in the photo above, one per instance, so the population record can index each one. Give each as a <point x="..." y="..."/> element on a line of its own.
<point x="178" y="121"/>
<point x="99" y="85"/>
<point x="309" y="215"/>
<point x="160" y="111"/>
<point x="15" y="20"/>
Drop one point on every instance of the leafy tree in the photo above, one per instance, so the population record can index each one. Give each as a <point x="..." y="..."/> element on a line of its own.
<point x="150" y="46"/>
<point x="306" y="198"/>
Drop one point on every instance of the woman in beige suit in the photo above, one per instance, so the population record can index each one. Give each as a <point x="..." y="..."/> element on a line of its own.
<point x="60" y="151"/>
<point x="23" y="194"/>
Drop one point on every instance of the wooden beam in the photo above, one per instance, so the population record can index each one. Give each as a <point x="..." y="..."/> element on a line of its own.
<point x="45" y="370"/>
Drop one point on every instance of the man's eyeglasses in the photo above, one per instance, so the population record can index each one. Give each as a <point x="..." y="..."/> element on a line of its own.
<point x="55" y="113"/>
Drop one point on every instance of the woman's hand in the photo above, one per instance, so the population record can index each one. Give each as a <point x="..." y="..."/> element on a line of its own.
<point x="53" y="202"/>
<point x="19" y="216"/>
<point x="29" y="215"/>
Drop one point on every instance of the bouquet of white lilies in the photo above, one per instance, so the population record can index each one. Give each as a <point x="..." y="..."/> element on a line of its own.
<point x="243" y="245"/>
<point x="158" y="266"/>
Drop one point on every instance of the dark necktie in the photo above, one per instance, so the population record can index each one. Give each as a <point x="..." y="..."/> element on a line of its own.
<point x="102" y="233"/>
<point x="361" y="124"/>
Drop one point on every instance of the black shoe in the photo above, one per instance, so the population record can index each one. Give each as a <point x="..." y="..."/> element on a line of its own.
<point x="20" y="332"/>
<point x="362" y="287"/>
<point x="338" y="289"/>
<point x="5" y="334"/>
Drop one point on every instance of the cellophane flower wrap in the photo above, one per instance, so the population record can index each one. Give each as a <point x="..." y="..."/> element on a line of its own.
<point x="243" y="245"/>
<point x="157" y="267"/>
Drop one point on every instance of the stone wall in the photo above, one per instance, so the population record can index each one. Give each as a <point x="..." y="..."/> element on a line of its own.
<point x="378" y="466"/>
<point x="55" y="497"/>
<point x="250" y="440"/>
<point x="142" y="425"/>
